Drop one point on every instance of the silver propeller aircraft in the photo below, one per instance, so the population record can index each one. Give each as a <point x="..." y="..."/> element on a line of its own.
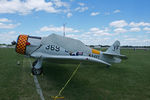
<point x="60" y="47"/>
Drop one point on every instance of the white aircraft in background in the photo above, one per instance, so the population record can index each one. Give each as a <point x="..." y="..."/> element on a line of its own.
<point x="60" y="47"/>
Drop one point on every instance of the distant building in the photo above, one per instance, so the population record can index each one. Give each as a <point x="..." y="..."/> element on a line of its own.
<point x="3" y="46"/>
<point x="97" y="46"/>
<point x="94" y="46"/>
<point x="7" y="46"/>
<point x="11" y="46"/>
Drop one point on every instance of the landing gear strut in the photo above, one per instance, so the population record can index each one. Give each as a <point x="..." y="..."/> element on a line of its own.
<point x="107" y="66"/>
<point x="36" y="67"/>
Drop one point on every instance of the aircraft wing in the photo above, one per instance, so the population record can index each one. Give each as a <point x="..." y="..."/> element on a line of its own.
<point x="115" y="55"/>
<point x="84" y="58"/>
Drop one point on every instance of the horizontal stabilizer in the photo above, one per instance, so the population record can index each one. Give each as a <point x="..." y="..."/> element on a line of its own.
<point x="115" y="55"/>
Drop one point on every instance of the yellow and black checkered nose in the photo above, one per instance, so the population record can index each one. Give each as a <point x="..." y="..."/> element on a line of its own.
<point x="21" y="44"/>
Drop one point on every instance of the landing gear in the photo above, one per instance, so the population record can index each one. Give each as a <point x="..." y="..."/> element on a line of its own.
<point x="107" y="66"/>
<point x="36" y="67"/>
<point x="37" y="71"/>
<point x="34" y="63"/>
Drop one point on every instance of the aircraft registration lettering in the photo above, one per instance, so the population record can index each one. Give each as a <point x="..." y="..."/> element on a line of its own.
<point x="53" y="48"/>
<point x="95" y="56"/>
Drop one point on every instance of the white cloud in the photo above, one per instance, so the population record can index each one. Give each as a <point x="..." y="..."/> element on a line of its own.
<point x="69" y="15"/>
<point x="58" y="29"/>
<point x="133" y="24"/>
<point x="12" y="32"/>
<point x="120" y="30"/>
<point x="98" y="32"/>
<point x="8" y="26"/>
<point x="107" y="38"/>
<point x="4" y="20"/>
<point x="125" y="36"/>
<point x="81" y="9"/>
<point x="135" y="29"/>
<point x="7" y="37"/>
<point x="146" y="40"/>
<point x="4" y="24"/>
<point x="81" y="4"/>
<point x="59" y="3"/>
<point x="118" y="23"/>
<point x="147" y="29"/>
<point x="117" y="11"/>
<point x="93" y="36"/>
<point x="94" y="13"/>
<point x="136" y="41"/>
<point x="27" y="6"/>
<point x="131" y="39"/>
<point x="94" y="29"/>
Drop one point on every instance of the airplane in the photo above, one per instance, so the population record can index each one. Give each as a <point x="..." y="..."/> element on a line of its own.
<point x="64" y="48"/>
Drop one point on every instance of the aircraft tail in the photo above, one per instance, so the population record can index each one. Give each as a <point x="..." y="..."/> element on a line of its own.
<point x="114" y="49"/>
<point x="112" y="54"/>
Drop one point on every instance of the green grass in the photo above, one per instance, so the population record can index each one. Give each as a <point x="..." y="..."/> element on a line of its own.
<point x="15" y="80"/>
<point x="129" y="80"/>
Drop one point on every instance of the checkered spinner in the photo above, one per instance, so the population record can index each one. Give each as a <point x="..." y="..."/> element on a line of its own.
<point x="21" y="44"/>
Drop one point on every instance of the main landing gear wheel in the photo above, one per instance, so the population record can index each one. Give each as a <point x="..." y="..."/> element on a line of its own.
<point x="36" y="71"/>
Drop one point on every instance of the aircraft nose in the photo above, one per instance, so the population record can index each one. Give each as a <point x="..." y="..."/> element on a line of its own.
<point x="21" y="44"/>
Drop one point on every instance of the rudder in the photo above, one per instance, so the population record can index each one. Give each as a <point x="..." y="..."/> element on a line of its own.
<point x="115" y="48"/>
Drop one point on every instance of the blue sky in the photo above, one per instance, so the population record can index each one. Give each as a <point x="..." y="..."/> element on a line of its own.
<point x="91" y="21"/>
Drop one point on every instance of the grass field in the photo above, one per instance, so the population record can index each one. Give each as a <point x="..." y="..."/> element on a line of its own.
<point x="129" y="80"/>
<point x="15" y="80"/>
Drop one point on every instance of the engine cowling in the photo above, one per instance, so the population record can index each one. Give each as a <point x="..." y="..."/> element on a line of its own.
<point x="22" y="42"/>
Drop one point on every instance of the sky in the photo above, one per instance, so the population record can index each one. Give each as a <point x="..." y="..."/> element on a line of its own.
<point x="97" y="22"/>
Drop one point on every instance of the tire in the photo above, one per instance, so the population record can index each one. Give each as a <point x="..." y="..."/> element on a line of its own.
<point x="37" y="71"/>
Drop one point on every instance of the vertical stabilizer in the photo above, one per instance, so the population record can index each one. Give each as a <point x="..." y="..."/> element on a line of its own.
<point x="114" y="49"/>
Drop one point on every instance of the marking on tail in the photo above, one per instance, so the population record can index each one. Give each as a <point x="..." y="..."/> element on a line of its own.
<point x="116" y="47"/>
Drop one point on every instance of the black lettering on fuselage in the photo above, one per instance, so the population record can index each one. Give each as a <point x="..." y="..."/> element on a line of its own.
<point x="94" y="56"/>
<point x="53" y="48"/>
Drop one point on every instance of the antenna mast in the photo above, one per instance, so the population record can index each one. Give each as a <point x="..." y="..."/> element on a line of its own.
<point x="64" y="29"/>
